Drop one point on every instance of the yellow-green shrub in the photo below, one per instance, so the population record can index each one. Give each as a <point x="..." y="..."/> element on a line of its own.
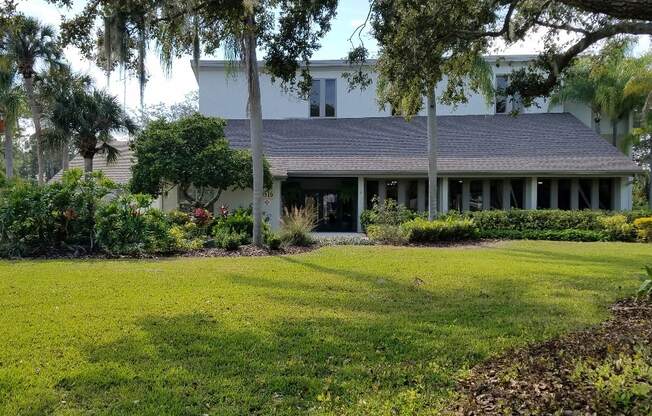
<point x="644" y="229"/>
<point x="387" y="234"/>
<point x="616" y="227"/>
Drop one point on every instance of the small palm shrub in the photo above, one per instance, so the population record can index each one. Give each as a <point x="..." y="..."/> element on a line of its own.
<point x="297" y="224"/>
<point x="643" y="228"/>
<point x="227" y="239"/>
<point x="645" y="291"/>
<point x="388" y="212"/>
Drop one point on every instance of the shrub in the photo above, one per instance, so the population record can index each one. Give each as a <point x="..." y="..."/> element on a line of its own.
<point x="228" y="240"/>
<point x="387" y="234"/>
<point x="645" y="291"/>
<point x="297" y="224"/>
<point x="388" y="212"/>
<point x="555" y="235"/>
<point x="643" y="228"/>
<point x="202" y="217"/>
<point x="36" y="219"/>
<point x="184" y="238"/>
<point x="423" y="231"/>
<point x="128" y="226"/>
<point x="179" y="217"/>
<point x="273" y="241"/>
<point x="616" y="227"/>
<point x="536" y="220"/>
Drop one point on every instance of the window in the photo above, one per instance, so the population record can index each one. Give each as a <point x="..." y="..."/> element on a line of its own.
<point x="323" y="97"/>
<point x="505" y="104"/>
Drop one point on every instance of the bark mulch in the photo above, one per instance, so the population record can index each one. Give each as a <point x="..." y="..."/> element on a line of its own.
<point x="541" y="379"/>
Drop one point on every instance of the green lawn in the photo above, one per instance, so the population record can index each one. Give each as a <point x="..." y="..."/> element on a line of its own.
<point x="342" y="330"/>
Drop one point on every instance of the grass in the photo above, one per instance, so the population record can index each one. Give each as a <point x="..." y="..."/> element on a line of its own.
<point x="342" y="330"/>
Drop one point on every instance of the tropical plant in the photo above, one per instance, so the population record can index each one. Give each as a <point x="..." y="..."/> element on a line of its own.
<point x="288" y="32"/>
<point x="192" y="153"/>
<point x="90" y="119"/>
<point x="57" y="90"/>
<point x="645" y="291"/>
<point x="297" y="224"/>
<point x="30" y="43"/>
<point x="12" y="104"/>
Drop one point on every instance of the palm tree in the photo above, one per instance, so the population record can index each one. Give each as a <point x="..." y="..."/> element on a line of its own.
<point x="11" y="106"/>
<point x="90" y="119"/>
<point x="29" y="43"/>
<point x="56" y="89"/>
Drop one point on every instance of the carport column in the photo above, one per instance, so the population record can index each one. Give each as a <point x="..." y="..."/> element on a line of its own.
<point x="442" y="201"/>
<point x="531" y="193"/>
<point x="622" y="194"/>
<point x="361" y="200"/>
<point x="507" y="194"/>
<point x="554" y="193"/>
<point x="486" y="194"/>
<point x="575" y="194"/>
<point x="466" y="195"/>
<point x="382" y="190"/>
<point x="401" y="190"/>
<point x="275" y="208"/>
<point x="595" y="194"/>
<point x="421" y="195"/>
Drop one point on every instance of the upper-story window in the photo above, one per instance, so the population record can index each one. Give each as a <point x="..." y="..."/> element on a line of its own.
<point x="505" y="104"/>
<point x="323" y="97"/>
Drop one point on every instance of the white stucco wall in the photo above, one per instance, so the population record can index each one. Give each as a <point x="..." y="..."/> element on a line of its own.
<point x="223" y="93"/>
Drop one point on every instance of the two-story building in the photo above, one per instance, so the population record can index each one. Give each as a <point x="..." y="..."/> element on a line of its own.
<point x="339" y="150"/>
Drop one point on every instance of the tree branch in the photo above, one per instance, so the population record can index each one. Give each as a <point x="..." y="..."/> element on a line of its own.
<point x="622" y="9"/>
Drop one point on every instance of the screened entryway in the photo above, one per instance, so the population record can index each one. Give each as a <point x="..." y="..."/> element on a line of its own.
<point x="334" y="199"/>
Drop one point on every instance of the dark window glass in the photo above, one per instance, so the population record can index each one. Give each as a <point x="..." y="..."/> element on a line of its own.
<point x="517" y="194"/>
<point x="564" y="197"/>
<point x="496" y="194"/>
<point x="392" y="190"/>
<point x="315" y="98"/>
<point x="501" y="97"/>
<point x="330" y="96"/>
<point x="543" y="194"/>
<point x="455" y="194"/>
<point x="413" y="195"/>
<point x="372" y="192"/>
<point x="475" y="204"/>
<point x="585" y="194"/>
<point x="605" y="194"/>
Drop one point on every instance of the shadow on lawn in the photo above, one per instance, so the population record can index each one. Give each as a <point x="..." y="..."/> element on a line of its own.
<point x="394" y="347"/>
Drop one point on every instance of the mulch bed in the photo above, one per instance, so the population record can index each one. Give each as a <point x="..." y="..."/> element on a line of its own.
<point x="537" y="380"/>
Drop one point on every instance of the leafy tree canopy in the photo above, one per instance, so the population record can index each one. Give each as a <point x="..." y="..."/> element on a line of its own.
<point x="193" y="153"/>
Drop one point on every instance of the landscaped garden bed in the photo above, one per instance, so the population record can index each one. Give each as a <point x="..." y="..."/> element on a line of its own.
<point x="606" y="369"/>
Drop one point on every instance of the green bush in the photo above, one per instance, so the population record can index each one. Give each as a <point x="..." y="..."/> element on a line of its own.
<point x="387" y="234"/>
<point x="127" y="226"/>
<point x="387" y="212"/>
<point x="297" y="224"/>
<point x="645" y="291"/>
<point x="240" y="221"/>
<point x="228" y="240"/>
<point x="555" y="235"/>
<point x="423" y="231"/>
<point x="179" y="217"/>
<point x="536" y="220"/>
<point x="36" y="219"/>
<point x="273" y="241"/>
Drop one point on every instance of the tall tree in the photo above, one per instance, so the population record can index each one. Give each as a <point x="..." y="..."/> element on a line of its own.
<point x="412" y="61"/>
<point x="56" y="89"/>
<point x="90" y="119"/>
<point x="287" y="31"/>
<point x="11" y="107"/>
<point x="29" y="43"/>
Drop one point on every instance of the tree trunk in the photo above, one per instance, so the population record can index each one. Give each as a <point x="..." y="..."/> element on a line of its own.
<point x="9" y="151"/>
<point x="255" y="129"/>
<point x="432" y="156"/>
<point x="614" y="132"/>
<point x="649" y="186"/>
<point x="36" y="117"/>
<point x="88" y="164"/>
<point x="65" y="157"/>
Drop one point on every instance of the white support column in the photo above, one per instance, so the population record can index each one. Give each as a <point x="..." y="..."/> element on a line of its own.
<point x="554" y="193"/>
<point x="401" y="190"/>
<point x="275" y="208"/>
<point x="443" y="195"/>
<point x="362" y="200"/>
<point x="382" y="190"/>
<point x="486" y="194"/>
<point x="421" y="195"/>
<point x="531" y="193"/>
<point x="507" y="194"/>
<point x="575" y="194"/>
<point x="595" y="194"/>
<point x="622" y="194"/>
<point x="466" y="195"/>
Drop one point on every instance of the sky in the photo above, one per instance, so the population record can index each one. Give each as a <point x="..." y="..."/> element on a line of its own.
<point x="171" y="87"/>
